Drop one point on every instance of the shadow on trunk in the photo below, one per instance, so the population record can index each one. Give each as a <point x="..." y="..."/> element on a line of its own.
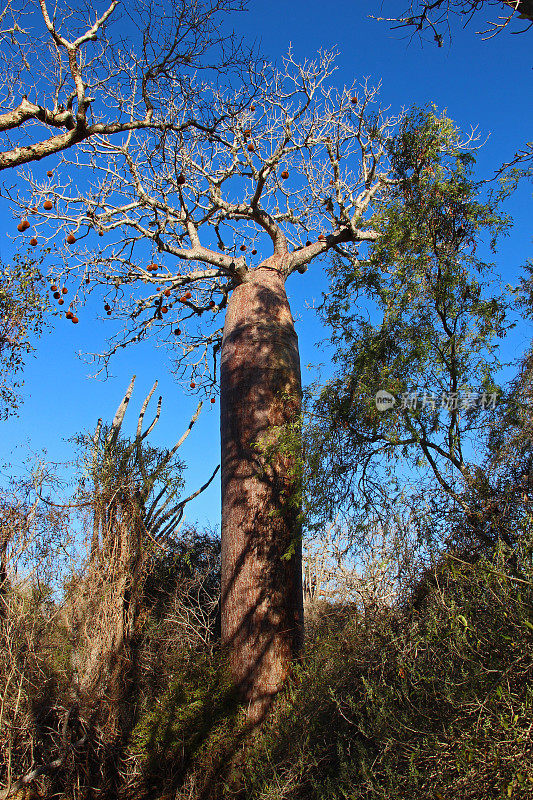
<point x="262" y="609"/>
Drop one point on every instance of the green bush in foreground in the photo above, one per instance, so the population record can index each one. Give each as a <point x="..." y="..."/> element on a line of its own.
<point x="197" y="716"/>
<point x="431" y="701"/>
<point x="428" y="703"/>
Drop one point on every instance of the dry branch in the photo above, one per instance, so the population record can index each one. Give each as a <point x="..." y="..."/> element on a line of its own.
<point x="89" y="77"/>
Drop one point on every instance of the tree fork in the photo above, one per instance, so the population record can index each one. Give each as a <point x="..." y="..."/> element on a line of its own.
<point x="262" y="606"/>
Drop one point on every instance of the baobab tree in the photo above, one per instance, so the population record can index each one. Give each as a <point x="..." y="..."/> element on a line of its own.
<point x="69" y="73"/>
<point x="303" y="164"/>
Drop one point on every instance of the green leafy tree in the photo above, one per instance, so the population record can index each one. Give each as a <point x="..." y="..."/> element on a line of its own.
<point x="436" y="19"/>
<point x="22" y="318"/>
<point x="426" y="337"/>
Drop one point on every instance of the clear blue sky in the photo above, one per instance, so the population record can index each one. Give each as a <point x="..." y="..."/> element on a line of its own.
<point x="485" y="84"/>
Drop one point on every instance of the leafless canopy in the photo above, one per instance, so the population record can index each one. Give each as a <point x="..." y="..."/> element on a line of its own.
<point x="434" y="16"/>
<point x="73" y="72"/>
<point x="301" y="162"/>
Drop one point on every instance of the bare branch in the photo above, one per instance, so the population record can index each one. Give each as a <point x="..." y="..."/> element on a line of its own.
<point x="119" y="415"/>
<point x="434" y="16"/>
<point x="303" y="162"/>
<point x="91" y="82"/>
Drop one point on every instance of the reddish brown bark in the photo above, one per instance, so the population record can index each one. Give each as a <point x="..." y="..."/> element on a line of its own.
<point x="262" y="610"/>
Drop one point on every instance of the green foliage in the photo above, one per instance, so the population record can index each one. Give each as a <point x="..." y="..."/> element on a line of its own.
<point x="22" y="308"/>
<point x="524" y="292"/>
<point x="194" y="718"/>
<point x="432" y="702"/>
<point x="429" y="328"/>
<point x="120" y="464"/>
<point x="282" y="462"/>
<point x="193" y="553"/>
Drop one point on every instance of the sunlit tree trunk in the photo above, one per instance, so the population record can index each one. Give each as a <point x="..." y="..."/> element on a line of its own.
<point x="262" y="610"/>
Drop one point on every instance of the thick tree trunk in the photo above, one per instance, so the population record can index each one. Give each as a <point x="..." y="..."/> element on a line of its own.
<point x="262" y="609"/>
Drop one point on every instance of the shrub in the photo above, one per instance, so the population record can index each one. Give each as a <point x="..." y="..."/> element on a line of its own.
<point x="427" y="703"/>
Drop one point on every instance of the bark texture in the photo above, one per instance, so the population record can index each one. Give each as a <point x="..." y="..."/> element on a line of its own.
<point x="262" y="609"/>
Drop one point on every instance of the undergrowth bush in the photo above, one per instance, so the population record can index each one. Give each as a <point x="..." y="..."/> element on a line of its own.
<point x="428" y="701"/>
<point x="197" y="717"/>
<point x="34" y="680"/>
<point x="426" y="704"/>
